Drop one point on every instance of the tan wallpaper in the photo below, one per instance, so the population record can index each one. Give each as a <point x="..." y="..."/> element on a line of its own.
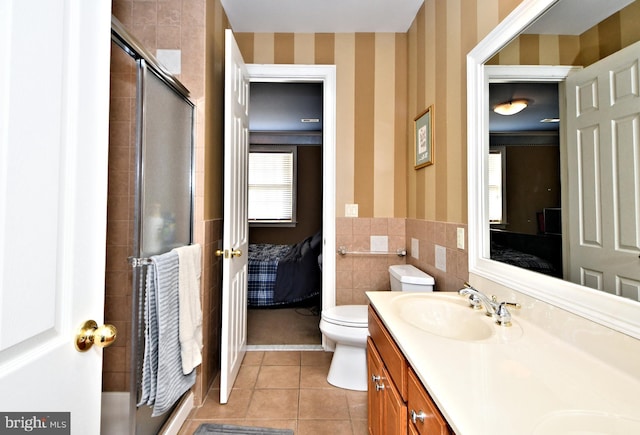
<point x="213" y="103"/>
<point x="371" y="102"/>
<point x="438" y="41"/>
<point x="607" y="37"/>
<point x="384" y="80"/>
<point x="378" y="99"/>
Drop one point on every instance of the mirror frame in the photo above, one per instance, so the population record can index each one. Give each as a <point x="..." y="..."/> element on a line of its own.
<point x="612" y="311"/>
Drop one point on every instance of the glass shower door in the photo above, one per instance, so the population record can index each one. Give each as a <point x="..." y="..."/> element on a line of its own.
<point x="164" y="198"/>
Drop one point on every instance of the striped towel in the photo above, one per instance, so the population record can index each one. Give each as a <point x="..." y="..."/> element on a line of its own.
<point x="150" y="360"/>
<point x="170" y="382"/>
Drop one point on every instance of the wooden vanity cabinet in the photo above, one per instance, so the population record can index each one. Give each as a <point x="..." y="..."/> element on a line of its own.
<point x="394" y="390"/>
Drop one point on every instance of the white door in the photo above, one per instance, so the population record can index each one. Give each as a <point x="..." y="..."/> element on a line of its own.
<point x="235" y="233"/>
<point x="603" y="125"/>
<point x="54" y="107"/>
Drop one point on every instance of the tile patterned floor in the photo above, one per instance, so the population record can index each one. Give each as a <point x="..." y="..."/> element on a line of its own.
<point x="289" y="390"/>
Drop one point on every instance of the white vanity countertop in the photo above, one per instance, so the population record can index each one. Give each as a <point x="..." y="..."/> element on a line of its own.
<point x="528" y="383"/>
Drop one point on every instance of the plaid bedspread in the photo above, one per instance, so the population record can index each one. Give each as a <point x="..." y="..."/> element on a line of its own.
<point x="263" y="268"/>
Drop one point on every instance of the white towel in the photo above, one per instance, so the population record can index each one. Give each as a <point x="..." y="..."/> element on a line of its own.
<point x="189" y="259"/>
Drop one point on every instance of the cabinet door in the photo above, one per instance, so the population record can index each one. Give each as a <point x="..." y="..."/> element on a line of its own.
<point x="374" y="393"/>
<point x="387" y="411"/>
<point x="394" y="409"/>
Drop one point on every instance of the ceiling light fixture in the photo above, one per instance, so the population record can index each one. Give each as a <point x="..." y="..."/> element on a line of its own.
<point x="511" y="107"/>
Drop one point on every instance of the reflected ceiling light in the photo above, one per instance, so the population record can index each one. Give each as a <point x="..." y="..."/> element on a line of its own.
<point x="511" y="107"/>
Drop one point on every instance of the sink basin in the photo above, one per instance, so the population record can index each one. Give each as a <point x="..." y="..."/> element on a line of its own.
<point x="448" y="315"/>
<point x="586" y="422"/>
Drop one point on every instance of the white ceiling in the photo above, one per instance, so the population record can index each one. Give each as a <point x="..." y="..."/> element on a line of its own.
<point x="569" y="17"/>
<point x="321" y="16"/>
<point x="574" y="17"/>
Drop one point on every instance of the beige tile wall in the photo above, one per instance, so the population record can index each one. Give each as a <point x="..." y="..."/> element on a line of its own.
<point x="118" y="274"/>
<point x="432" y="233"/>
<point x="359" y="273"/>
<point x="211" y="282"/>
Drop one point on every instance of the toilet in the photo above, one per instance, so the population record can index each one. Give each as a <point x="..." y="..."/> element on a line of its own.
<point x="347" y="326"/>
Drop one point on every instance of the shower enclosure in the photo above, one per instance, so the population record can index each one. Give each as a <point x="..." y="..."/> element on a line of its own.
<point x="149" y="212"/>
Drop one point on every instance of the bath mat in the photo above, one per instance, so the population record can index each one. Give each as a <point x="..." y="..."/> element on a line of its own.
<point x="221" y="429"/>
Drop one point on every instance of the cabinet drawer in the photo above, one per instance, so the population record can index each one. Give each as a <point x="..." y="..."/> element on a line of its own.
<point x="419" y="402"/>
<point x="393" y="359"/>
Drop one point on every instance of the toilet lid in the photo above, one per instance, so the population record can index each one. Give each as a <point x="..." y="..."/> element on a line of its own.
<point x="348" y="315"/>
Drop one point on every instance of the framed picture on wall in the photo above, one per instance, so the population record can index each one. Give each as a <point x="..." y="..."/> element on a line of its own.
<point x="423" y="137"/>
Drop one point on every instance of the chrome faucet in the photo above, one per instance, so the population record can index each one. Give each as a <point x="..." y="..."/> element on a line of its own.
<point x="493" y="308"/>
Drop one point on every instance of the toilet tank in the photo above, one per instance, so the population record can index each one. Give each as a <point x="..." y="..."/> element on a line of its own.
<point x="405" y="277"/>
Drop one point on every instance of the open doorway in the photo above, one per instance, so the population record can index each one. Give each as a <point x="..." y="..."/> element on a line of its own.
<point x="285" y="213"/>
<point x="292" y="110"/>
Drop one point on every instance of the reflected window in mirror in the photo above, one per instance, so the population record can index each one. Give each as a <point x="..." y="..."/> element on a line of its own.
<point x="496" y="187"/>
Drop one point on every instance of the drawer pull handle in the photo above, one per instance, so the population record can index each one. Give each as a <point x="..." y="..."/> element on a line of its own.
<point x="375" y="378"/>
<point x="379" y="387"/>
<point x="419" y="416"/>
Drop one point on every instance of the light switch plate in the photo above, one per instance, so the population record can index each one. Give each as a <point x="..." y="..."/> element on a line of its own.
<point x="460" y="238"/>
<point x="415" y="248"/>
<point x="351" y="210"/>
<point x="441" y="258"/>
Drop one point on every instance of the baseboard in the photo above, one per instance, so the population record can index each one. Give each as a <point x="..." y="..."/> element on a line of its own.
<point x="277" y="347"/>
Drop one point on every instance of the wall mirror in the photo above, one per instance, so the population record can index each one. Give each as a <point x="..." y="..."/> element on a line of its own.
<point x="617" y="312"/>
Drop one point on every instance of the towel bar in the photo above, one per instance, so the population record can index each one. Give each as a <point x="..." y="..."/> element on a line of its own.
<point x="399" y="252"/>
<point x="139" y="262"/>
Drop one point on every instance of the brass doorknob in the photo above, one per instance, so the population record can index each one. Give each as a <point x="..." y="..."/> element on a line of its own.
<point x="222" y="253"/>
<point x="90" y="333"/>
<point x="236" y="253"/>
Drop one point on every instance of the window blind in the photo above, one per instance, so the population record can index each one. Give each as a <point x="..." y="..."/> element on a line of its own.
<point x="495" y="187"/>
<point x="271" y="186"/>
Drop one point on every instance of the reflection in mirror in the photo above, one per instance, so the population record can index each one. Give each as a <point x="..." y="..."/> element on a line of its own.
<point x="534" y="206"/>
<point x="524" y="178"/>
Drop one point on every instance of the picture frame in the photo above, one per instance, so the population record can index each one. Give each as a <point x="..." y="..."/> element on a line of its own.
<point x="423" y="138"/>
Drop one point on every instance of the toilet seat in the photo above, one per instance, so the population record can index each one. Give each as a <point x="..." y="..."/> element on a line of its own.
<point x="354" y="316"/>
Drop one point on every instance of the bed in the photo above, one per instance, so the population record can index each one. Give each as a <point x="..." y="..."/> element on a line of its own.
<point x="521" y="259"/>
<point x="284" y="274"/>
<point x="537" y="252"/>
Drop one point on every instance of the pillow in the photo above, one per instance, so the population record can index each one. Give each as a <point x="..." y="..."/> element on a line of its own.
<point x="316" y="241"/>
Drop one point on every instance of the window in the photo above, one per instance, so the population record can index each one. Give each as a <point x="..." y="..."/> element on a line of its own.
<point x="272" y="185"/>
<point x="497" y="197"/>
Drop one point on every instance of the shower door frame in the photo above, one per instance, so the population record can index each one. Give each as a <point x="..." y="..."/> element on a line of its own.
<point x="146" y="62"/>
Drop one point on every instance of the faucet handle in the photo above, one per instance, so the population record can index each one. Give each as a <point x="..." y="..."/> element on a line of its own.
<point x="474" y="300"/>
<point x="515" y="305"/>
<point x="502" y="315"/>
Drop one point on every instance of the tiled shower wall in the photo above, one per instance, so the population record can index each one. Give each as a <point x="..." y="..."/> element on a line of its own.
<point x="211" y="315"/>
<point x="118" y="274"/>
<point x="358" y="273"/>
